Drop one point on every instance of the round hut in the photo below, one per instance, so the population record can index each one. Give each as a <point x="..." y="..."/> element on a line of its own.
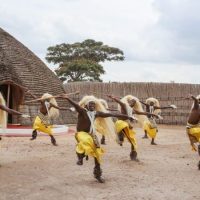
<point x="21" y="70"/>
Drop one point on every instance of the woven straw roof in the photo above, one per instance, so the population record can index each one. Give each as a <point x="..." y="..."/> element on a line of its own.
<point x="19" y="64"/>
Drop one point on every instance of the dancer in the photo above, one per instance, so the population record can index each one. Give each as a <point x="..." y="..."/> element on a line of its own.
<point x="3" y="113"/>
<point x="150" y="127"/>
<point x="90" y="117"/>
<point x="129" y="105"/>
<point x="48" y="111"/>
<point x="193" y="124"/>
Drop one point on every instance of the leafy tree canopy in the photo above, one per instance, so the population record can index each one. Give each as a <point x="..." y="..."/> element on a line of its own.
<point x="80" y="61"/>
<point x="80" y="70"/>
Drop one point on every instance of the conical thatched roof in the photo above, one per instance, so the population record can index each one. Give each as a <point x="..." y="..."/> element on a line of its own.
<point x="20" y="65"/>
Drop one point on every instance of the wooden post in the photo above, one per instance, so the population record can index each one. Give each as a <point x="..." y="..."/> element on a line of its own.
<point x="8" y="96"/>
<point x="8" y="100"/>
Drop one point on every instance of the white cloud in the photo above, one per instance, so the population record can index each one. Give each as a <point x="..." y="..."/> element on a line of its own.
<point x="151" y="72"/>
<point x="160" y="38"/>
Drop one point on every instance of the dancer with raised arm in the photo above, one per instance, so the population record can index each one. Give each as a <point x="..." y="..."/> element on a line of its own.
<point x="89" y="111"/>
<point x="48" y="111"/>
<point x="152" y="105"/>
<point x="193" y="124"/>
<point x="129" y="105"/>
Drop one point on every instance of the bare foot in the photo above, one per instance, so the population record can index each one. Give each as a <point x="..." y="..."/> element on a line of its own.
<point x="100" y="179"/>
<point x="79" y="162"/>
<point x="133" y="155"/>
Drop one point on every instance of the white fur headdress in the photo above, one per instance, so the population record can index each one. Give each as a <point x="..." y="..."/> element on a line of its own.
<point x="53" y="112"/>
<point x="104" y="102"/>
<point x="198" y="97"/>
<point x="137" y="106"/>
<point x="156" y="103"/>
<point x="86" y="100"/>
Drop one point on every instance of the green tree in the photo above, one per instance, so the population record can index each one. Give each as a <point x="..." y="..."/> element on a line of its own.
<point x="81" y="61"/>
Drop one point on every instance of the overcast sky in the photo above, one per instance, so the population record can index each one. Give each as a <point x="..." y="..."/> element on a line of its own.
<point x="160" y="38"/>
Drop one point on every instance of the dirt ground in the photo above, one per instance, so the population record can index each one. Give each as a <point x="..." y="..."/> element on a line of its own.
<point x="36" y="170"/>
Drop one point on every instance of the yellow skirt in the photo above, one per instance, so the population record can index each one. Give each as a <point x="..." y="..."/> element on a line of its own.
<point x="86" y="145"/>
<point x="38" y="125"/>
<point x="129" y="133"/>
<point x="148" y="128"/>
<point x="194" y="135"/>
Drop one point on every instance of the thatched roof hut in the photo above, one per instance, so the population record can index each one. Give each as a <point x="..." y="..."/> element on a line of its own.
<point x="20" y="69"/>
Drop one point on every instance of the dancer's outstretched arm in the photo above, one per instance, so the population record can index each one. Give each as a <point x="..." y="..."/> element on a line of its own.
<point x="122" y="105"/>
<point x="11" y="111"/>
<point x="73" y="103"/>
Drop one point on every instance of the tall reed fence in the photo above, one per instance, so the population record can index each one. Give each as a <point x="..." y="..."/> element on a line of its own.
<point x="166" y="93"/>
